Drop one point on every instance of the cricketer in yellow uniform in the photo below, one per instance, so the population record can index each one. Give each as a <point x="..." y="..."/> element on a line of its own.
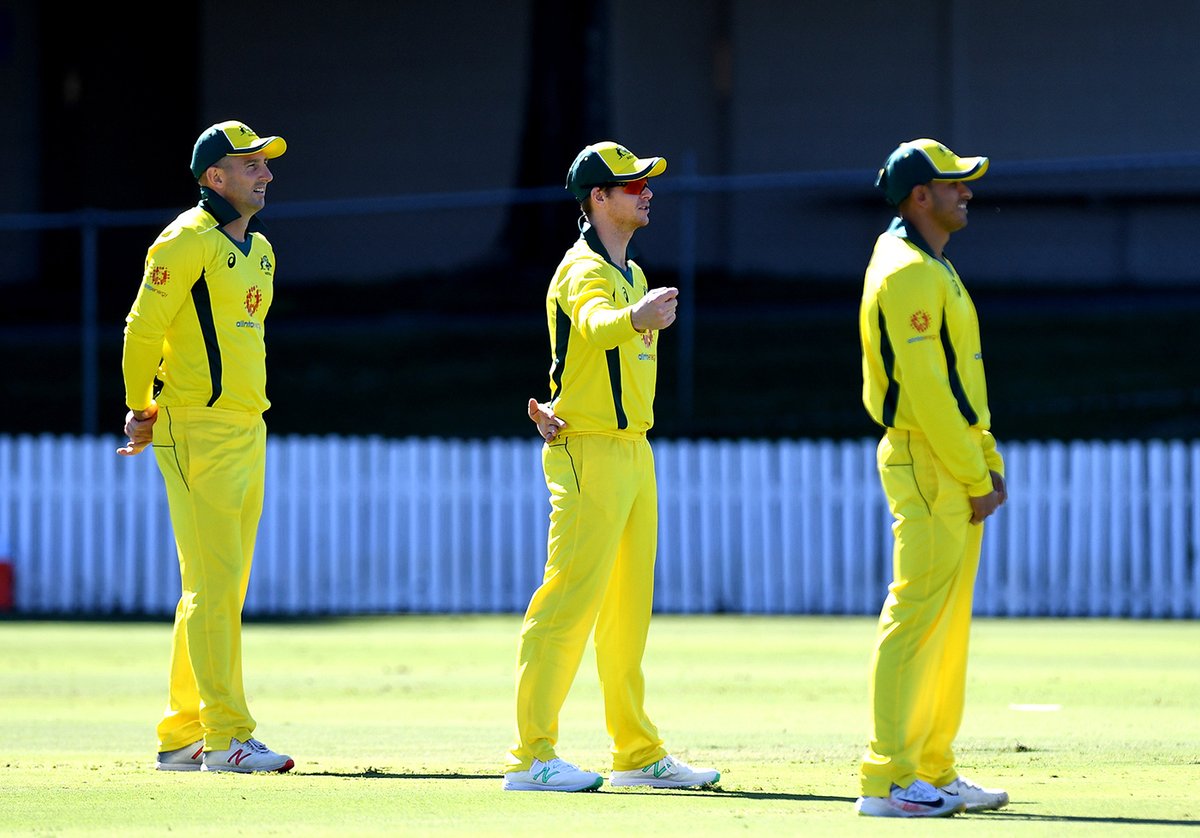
<point x="923" y="381"/>
<point x="599" y="471"/>
<point x="196" y="331"/>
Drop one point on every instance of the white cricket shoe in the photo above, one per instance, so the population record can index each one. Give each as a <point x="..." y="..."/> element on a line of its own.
<point x="188" y="758"/>
<point x="246" y="758"/>
<point x="667" y="773"/>
<point x="554" y="775"/>
<point x="919" y="800"/>
<point x="976" y="797"/>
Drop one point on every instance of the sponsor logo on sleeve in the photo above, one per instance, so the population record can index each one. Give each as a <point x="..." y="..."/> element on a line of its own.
<point x="156" y="276"/>
<point x="920" y="321"/>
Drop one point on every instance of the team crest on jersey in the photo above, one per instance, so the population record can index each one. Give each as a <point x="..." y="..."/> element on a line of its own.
<point x="648" y="337"/>
<point x="265" y="265"/>
<point x="159" y="275"/>
<point x="919" y="320"/>
<point x="253" y="300"/>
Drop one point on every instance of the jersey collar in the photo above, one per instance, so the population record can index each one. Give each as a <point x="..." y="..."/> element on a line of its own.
<point x="902" y="229"/>
<point x="223" y="211"/>
<point x="592" y="238"/>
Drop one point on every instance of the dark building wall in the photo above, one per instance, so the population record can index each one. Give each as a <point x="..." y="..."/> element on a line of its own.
<point x="1075" y="102"/>
<point x="19" y="140"/>
<point x="378" y="99"/>
<point x="836" y="86"/>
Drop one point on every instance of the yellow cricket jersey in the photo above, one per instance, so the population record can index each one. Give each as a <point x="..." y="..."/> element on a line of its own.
<point x="922" y="359"/>
<point x="603" y="373"/>
<point x="197" y="321"/>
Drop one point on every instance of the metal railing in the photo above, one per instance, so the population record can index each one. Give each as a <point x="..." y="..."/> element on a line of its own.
<point x="685" y="180"/>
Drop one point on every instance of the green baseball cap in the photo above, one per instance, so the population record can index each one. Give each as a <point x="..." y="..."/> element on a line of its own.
<point x="921" y="161"/>
<point x="233" y="139"/>
<point x="608" y="162"/>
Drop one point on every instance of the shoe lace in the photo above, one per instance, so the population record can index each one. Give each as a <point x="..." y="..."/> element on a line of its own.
<point x="256" y="746"/>
<point x="920" y="791"/>
<point x="667" y="763"/>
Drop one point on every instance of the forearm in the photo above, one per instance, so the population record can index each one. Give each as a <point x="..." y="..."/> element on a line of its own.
<point x="139" y="364"/>
<point x="956" y="444"/>
<point x="604" y="326"/>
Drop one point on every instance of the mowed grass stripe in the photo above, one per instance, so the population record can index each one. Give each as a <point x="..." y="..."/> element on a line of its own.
<point x="398" y="726"/>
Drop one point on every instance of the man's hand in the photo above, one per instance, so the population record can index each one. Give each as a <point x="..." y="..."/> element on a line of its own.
<point x="656" y="310"/>
<point x="543" y="416"/>
<point x="139" y="427"/>
<point x="1000" y="486"/>
<point x="984" y="506"/>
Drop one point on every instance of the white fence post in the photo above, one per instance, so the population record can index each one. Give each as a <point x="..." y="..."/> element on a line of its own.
<point x="353" y="525"/>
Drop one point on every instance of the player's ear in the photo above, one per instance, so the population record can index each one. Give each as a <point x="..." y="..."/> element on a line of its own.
<point x="213" y="176"/>
<point x="598" y="194"/>
<point x="919" y="195"/>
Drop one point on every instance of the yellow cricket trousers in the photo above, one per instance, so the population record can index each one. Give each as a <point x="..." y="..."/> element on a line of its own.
<point x="213" y="464"/>
<point x="919" y="667"/>
<point x="600" y="553"/>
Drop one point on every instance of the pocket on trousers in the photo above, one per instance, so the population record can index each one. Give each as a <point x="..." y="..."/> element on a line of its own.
<point x="909" y="479"/>
<point x="559" y="463"/>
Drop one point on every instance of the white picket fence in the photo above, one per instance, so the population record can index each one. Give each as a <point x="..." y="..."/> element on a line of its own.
<point x="365" y="525"/>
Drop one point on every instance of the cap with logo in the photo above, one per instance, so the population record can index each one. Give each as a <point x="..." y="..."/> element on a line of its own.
<point x="921" y="161"/>
<point x="603" y="163"/>
<point x="233" y="139"/>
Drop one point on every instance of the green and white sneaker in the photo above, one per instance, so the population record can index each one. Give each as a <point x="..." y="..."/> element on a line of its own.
<point x="975" y="797"/>
<point x="554" y="775"/>
<point x="188" y="758"/>
<point x="667" y="773"/>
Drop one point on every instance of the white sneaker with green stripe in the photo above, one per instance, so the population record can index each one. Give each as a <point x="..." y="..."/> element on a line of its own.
<point x="667" y="773"/>
<point x="554" y="775"/>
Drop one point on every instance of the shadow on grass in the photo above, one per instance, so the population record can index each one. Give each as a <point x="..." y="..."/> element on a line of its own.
<point x="741" y="794"/>
<point x="375" y="774"/>
<point x="1012" y="816"/>
<point x="1029" y="816"/>
<point x="754" y="795"/>
<point x="716" y="792"/>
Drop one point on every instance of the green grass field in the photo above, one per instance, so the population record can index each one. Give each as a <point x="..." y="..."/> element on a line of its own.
<point x="398" y="726"/>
